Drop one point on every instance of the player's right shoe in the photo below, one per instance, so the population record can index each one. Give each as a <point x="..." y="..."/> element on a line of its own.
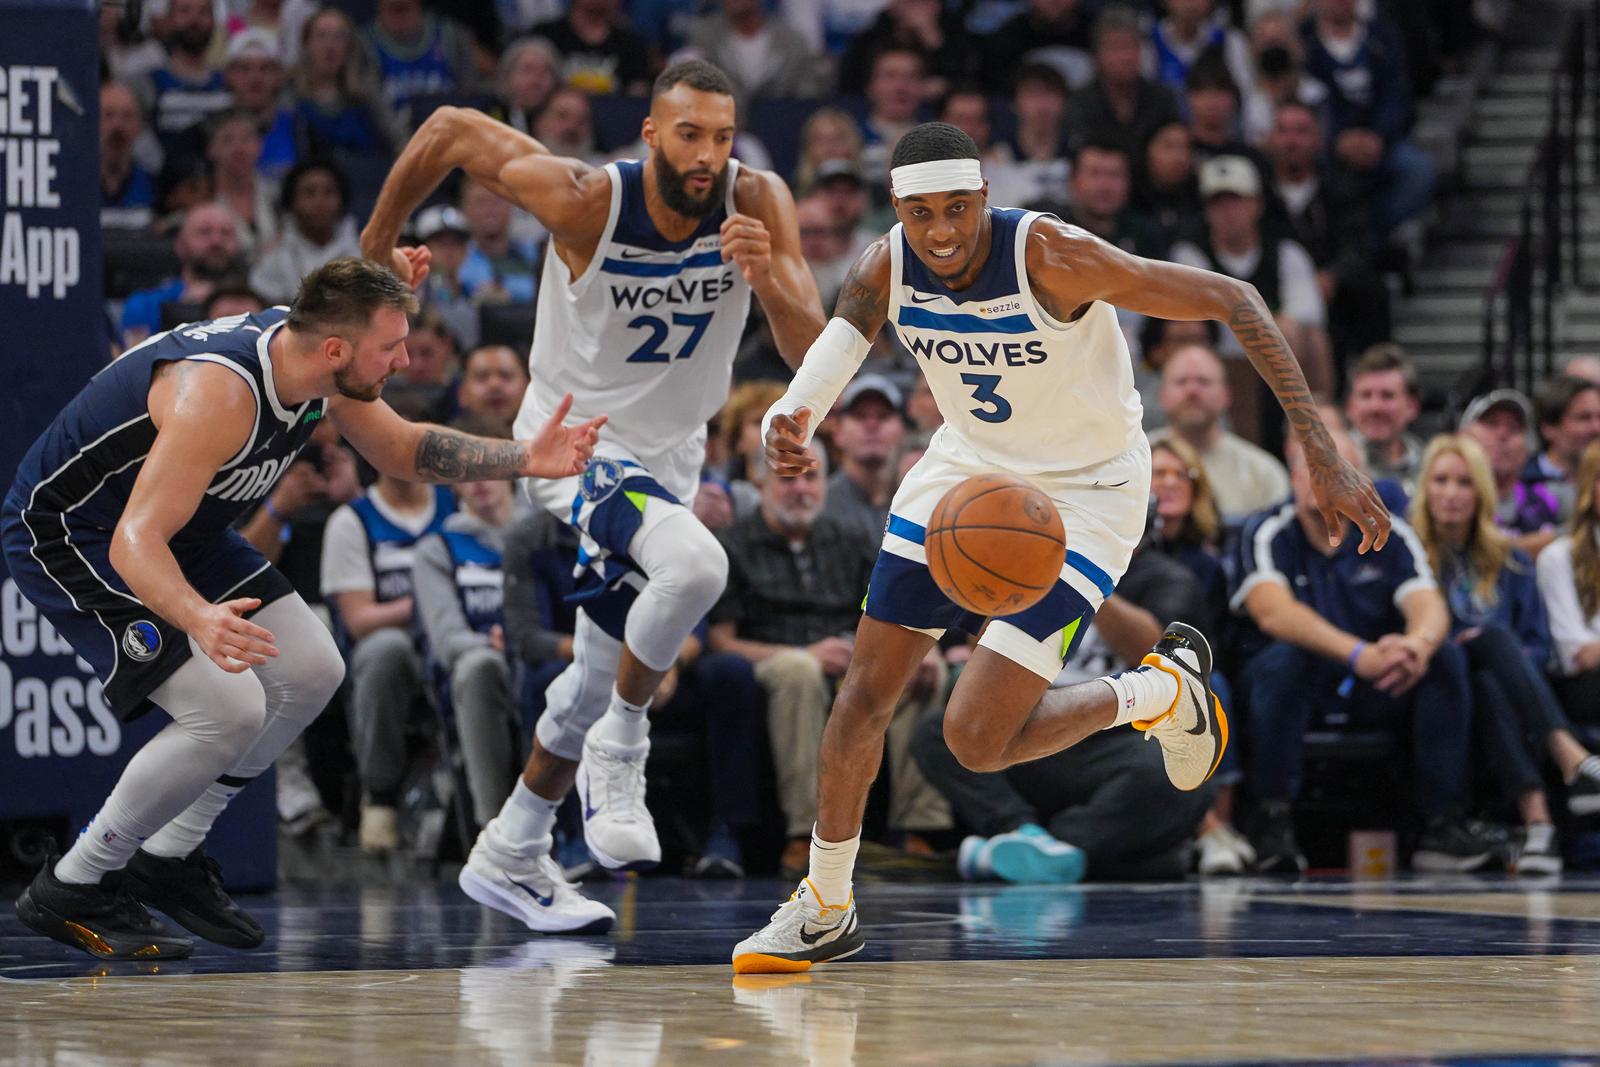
<point x="803" y="931"/>
<point x="190" y="891"/>
<point x="617" y="826"/>
<point x="530" y="888"/>
<point x="103" y="920"/>
<point x="1193" y="732"/>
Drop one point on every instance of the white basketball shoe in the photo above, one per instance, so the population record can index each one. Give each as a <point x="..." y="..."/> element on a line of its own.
<point x="529" y="887"/>
<point x="617" y="826"/>
<point x="803" y="931"/>
<point x="1193" y="732"/>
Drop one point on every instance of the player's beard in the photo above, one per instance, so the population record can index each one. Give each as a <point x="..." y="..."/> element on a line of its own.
<point x="672" y="184"/>
<point x="344" y="380"/>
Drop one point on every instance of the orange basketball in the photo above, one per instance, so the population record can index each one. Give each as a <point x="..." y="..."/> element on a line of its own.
<point x="995" y="544"/>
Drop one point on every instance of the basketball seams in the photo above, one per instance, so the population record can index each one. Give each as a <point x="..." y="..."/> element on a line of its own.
<point x="946" y="521"/>
<point x="990" y="570"/>
<point x="932" y="530"/>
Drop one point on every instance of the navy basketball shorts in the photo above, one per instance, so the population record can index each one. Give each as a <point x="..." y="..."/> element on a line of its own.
<point x="65" y="570"/>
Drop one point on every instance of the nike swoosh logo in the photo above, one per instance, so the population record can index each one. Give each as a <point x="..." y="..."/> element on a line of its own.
<point x="589" y="811"/>
<point x="929" y="300"/>
<point x="543" y="901"/>
<point x="811" y="937"/>
<point x="1112" y="485"/>
<point x="636" y="255"/>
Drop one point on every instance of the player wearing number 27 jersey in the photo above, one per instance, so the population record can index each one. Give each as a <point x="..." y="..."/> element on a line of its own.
<point x="1011" y="315"/>
<point x="645" y="292"/>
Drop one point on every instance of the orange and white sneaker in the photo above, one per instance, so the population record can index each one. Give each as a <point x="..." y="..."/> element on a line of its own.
<point x="803" y="931"/>
<point x="1193" y="733"/>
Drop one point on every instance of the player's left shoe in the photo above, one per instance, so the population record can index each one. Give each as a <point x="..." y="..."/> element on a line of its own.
<point x="804" y="931"/>
<point x="190" y="891"/>
<point x="617" y="826"/>
<point x="1193" y="732"/>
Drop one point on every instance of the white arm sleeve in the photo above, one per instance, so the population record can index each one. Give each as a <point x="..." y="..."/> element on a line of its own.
<point x="830" y="363"/>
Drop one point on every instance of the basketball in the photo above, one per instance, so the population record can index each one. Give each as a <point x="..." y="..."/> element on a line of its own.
<point x="995" y="544"/>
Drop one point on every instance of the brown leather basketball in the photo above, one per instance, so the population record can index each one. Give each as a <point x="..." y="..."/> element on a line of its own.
<point x="995" y="544"/>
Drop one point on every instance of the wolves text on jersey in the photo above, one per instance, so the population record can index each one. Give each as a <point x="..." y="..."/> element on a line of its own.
<point x="677" y="291"/>
<point x="980" y="353"/>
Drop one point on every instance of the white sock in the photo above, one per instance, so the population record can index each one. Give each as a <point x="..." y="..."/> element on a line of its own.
<point x="832" y="863"/>
<point x="188" y="830"/>
<point x="106" y="844"/>
<point x="1142" y="693"/>
<point x="525" y="819"/>
<point x="625" y="723"/>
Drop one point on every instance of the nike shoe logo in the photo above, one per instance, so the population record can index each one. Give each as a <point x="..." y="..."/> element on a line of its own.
<point x="811" y="937"/>
<point x="542" y="901"/>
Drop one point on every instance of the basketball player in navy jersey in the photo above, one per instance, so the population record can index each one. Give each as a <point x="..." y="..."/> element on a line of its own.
<point x="118" y="527"/>
<point x="1012" y="317"/>
<point x="642" y="303"/>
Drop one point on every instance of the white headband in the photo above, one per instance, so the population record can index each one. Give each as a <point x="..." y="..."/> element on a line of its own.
<point x="936" y="176"/>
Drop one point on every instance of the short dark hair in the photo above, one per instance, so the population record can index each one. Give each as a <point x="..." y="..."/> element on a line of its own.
<point x="1210" y="71"/>
<point x="1552" y="399"/>
<point x="237" y="289"/>
<point x="1096" y="143"/>
<point x="1384" y="357"/>
<point x="296" y="173"/>
<point x="930" y="141"/>
<point x="964" y="89"/>
<point x="1041" y="74"/>
<point x="345" y="292"/>
<point x="1117" y="18"/>
<point x="466" y="360"/>
<point x="697" y="74"/>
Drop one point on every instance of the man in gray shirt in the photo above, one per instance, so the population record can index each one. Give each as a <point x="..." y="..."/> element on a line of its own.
<point x="867" y="435"/>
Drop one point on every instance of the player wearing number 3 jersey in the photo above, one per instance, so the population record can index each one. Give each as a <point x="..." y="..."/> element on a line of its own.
<point x="1011" y="316"/>
<point x="644" y="297"/>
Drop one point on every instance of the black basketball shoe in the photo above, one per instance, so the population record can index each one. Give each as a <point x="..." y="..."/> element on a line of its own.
<point x="103" y="920"/>
<point x="190" y="890"/>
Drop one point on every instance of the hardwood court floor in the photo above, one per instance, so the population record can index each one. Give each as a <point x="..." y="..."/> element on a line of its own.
<point x="1320" y="971"/>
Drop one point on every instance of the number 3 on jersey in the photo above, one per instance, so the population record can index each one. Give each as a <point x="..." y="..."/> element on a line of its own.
<point x="651" y="352"/>
<point x="997" y="408"/>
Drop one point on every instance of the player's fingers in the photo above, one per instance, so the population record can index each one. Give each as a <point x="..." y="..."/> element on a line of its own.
<point x="594" y="424"/>
<point x="560" y="414"/>
<point x="251" y="643"/>
<point x="242" y="604"/>
<point x="228" y="663"/>
<point x="1335" y="524"/>
<point x="249" y="657"/>
<point x="802" y="418"/>
<point x="246" y="628"/>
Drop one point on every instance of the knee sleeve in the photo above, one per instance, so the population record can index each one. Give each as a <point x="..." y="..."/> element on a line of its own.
<point x="217" y="709"/>
<point x="581" y="693"/>
<point x="308" y="670"/>
<point x="687" y="570"/>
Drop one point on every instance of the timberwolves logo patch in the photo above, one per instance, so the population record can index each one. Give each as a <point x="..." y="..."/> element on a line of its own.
<point x="141" y="640"/>
<point x="600" y="479"/>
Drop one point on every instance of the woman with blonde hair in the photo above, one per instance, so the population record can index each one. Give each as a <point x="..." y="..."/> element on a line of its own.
<point x="337" y="104"/>
<point x="1569" y="581"/>
<point x="740" y="423"/>
<point x="828" y="134"/>
<point x="1498" y="619"/>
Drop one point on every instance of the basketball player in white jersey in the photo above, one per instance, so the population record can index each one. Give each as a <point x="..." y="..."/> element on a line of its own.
<point x="641" y="305"/>
<point x="1011" y="315"/>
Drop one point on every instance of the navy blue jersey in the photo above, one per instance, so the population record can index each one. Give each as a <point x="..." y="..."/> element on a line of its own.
<point x="82" y="468"/>
<point x="480" y="581"/>
<point x="391" y="547"/>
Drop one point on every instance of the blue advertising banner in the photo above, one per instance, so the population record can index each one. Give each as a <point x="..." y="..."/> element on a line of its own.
<point x="61" y="748"/>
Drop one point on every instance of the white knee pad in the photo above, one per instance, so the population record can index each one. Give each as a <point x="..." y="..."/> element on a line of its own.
<point x="687" y="570"/>
<point x="581" y="693"/>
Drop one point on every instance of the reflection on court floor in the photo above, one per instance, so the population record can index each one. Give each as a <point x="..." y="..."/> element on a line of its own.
<point x="1425" y="971"/>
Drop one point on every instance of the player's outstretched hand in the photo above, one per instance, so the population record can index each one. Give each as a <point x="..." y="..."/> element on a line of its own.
<point x="1342" y="490"/>
<point x="786" y="444"/>
<point x="559" y="451"/>
<point x="412" y="265"/>
<point x="747" y="245"/>
<point x="230" y="640"/>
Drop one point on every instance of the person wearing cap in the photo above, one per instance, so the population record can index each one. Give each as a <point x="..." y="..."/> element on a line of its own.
<point x="1568" y="411"/>
<point x="1236" y="243"/>
<point x="795" y="577"/>
<point x="867" y="439"/>
<point x="443" y="228"/>
<point x="254" y="77"/>
<point x="185" y="90"/>
<point x="1382" y="402"/>
<point x="838" y="182"/>
<point x="1501" y="422"/>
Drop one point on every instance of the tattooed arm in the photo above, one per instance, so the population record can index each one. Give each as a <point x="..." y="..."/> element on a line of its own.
<point x="423" y="452"/>
<point x="829" y="364"/>
<point x="1069" y="269"/>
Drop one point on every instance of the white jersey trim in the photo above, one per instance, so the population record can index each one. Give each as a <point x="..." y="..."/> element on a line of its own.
<point x="577" y="286"/>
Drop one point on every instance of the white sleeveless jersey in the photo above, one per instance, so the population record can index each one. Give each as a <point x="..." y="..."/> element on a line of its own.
<point x="1018" y="389"/>
<point x="648" y="332"/>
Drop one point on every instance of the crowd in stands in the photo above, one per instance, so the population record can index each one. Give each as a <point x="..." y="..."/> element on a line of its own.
<point x="244" y="141"/>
